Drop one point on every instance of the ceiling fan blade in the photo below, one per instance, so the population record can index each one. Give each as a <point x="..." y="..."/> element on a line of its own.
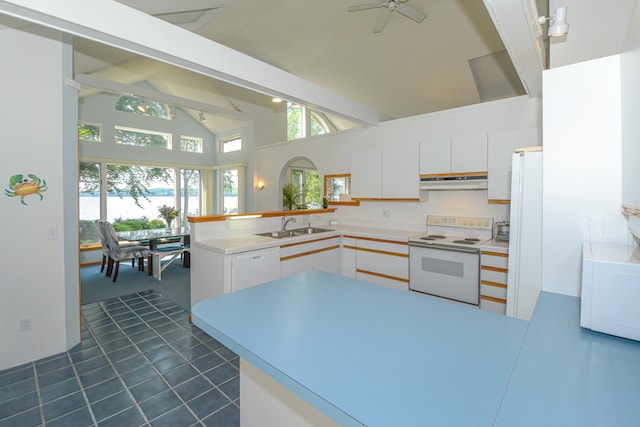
<point x="410" y="12"/>
<point x="364" y="6"/>
<point x="382" y="21"/>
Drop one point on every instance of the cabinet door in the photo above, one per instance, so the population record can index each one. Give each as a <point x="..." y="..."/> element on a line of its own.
<point x="435" y="157"/>
<point x="327" y="260"/>
<point x="501" y="147"/>
<point x="297" y="265"/>
<point x="469" y="153"/>
<point x="366" y="173"/>
<point x="400" y="172"/>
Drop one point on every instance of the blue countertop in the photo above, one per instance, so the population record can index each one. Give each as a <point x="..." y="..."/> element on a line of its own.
<point x="363" y="353"/>
<point x="367" y="354"/>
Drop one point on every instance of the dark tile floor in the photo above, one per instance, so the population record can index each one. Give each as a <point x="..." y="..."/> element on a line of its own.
<point x="140" y="363"/>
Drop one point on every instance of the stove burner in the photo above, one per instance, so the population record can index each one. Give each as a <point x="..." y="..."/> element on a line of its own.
<point x="427" y="238"/>
<point x="472" y="239"/>
<point x="465" y="242"/>
<point x="435" y="236"/>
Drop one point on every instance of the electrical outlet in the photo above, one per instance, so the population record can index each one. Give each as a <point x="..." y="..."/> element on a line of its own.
<point x="386" y="213"/>
<point x="25" y="324"/>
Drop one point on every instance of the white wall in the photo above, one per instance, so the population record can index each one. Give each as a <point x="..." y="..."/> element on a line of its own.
<point x="39" y="276"/>
<point x="332" y="155"/>
<point x="582" y="167"/>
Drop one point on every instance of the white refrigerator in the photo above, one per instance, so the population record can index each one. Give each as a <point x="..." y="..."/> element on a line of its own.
<point x="524" y="278"/>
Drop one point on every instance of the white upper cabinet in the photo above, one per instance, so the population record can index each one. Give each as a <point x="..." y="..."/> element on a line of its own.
<point x="501" y="148"/>
<point x="454" y="155"/>
<point x="366" y="173"/>
<point x="391" y="172"/>
<point x="469" y="154"/>
<point x="400" y="172"/>
<point x="435" y="157"/>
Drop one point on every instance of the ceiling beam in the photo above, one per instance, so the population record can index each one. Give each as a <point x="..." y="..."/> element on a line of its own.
<point x="126" y="89"/>
<point x="116" y="25"/>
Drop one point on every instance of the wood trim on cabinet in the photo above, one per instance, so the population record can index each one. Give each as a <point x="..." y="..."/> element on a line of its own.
<point x="386" y="199"/>
<point x="355" y="248"/>
<point x="496" y="284"/>
<point x="499" y="201"/>
<point x="494" y="299"/>
<point x="374" y="239"/>
<point x="496" y="269"/>
<point x="316" y="251"/>
<point x="378" y="251"/>
<point x="384" y="276"/>
<point x="304" y="242"/>
<point x="494" y="254"/>
<point x="211" y="218"/>
<point x="352" y="203"/>
<point x="440" y="175"/>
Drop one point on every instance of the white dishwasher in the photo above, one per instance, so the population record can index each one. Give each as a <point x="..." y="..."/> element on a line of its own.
<point x="254" y="267"/>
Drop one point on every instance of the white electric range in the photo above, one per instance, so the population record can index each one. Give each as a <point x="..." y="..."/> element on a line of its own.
<point x="445" y="261"/>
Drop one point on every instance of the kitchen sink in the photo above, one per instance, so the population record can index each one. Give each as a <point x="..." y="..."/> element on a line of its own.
<point x="294" y="232"/>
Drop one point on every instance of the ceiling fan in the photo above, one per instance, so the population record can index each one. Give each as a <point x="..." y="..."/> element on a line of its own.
<point x="389" y="6"/>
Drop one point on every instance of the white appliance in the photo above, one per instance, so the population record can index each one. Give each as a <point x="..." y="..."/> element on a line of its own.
<point x="254" y="267"/>
<point x="610" y="300"/>
<point x="455" y="182"/>
<point x="445" y="262"/>
<point x="524" y="279"/>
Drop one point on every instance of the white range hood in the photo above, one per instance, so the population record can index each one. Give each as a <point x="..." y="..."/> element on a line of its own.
<point x="454" y="182"/>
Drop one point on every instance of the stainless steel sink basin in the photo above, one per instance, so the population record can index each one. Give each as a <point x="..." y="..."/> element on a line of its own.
<point x="294" y="232"/>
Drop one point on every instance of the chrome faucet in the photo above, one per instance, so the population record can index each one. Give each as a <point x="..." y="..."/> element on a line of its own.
<point x="285" y="221"/>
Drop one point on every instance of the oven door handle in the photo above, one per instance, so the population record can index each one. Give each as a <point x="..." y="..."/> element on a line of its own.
<point x="444" y="247"/>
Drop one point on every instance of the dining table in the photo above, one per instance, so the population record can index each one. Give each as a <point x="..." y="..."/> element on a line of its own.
<point x="154" y="237"/>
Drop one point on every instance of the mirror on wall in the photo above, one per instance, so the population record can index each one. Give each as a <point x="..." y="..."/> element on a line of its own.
<point x="300" y="183"/>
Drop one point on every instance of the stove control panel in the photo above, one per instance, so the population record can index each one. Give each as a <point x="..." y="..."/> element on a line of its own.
<point x="460" y="222"/>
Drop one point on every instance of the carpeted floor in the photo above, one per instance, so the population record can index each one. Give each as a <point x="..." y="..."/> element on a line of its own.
<point x="175" y="284"/>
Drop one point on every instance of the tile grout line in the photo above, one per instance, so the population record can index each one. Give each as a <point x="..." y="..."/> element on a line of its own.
<point x="137" y="406"/>
<point x="40" y="405"/>
<point x="82" y="390"/>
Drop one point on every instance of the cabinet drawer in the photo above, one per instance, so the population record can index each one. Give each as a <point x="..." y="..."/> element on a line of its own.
<point x="492" y="274"/>
<point x="493" y="291"/>
<point x="308" y="247"/>
<point x="497" y="260"/>
<point x="381" y="245"/>
<point x="488" y="304"/>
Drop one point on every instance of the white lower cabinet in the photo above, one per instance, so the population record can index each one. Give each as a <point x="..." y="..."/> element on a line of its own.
<point x="384" y="262"/>
<point x="317" y="254"/>
<point x="493" y="280"/>
<point x="349" y="252"/>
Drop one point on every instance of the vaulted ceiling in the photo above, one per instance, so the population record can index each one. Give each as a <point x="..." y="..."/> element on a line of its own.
<point x="409" y="68"/>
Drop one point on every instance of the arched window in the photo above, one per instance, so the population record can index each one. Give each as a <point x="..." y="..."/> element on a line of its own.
<point x="144" y="107"/>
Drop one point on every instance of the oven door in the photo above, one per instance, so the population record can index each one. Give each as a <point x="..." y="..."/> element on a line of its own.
<point x="447" y="272"/>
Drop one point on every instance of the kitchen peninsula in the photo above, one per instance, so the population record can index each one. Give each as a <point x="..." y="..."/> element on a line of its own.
<point x="353" y="351"/>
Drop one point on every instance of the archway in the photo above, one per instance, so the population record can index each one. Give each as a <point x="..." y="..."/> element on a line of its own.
<point x="300" y="184"/>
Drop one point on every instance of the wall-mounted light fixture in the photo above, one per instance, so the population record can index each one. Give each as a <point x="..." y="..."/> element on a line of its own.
<point x="172" y="111"/>
<point x="260" y="185"/>
<point x="558" y="25"/>
<point x="202" y="117"/>
<point x="276" y="99"/>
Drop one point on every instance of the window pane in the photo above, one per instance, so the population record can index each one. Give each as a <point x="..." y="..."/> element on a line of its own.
<point x="89" y="202"/>
<point x="317" y="126"/>
<point x="230" y="191"/>
<point x="190" y="197"/>
<point x="90" y="132"/>
<point x="191" y="144"/>
<point x="229" y="145"/>
<point x="312" y="186"/>
<point x="295" y="121"/>
<point x="135" y="193"/>
<point x="143" y="107"/>
<point x="142" y="138"/>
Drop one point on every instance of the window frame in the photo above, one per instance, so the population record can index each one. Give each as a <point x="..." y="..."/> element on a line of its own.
<point x="222" y="143"/>
<point x="345" y="176"/>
